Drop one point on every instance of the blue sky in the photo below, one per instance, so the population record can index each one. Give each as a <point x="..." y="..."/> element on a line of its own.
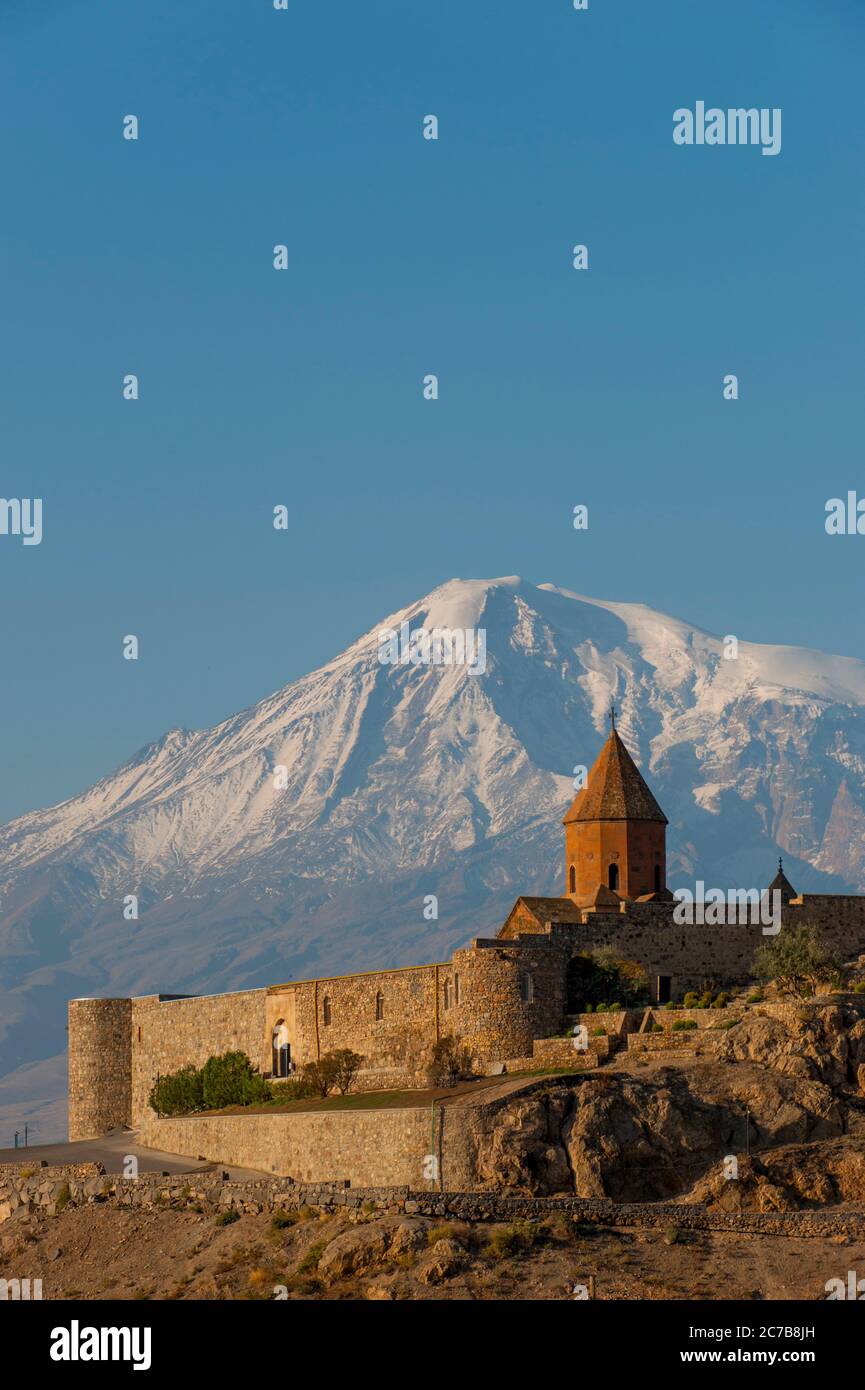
<point x="406" y="257"/>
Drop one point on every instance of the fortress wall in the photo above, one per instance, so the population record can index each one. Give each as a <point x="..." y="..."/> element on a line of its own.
<point x="99" y="1066"/>
<point x="494" y="1019"/>
<point x="840" y="918"/>
<point x="167" y="1034"/>
<point x="689" y="953"/>
<point x="398" y="1043"/>
<point x="364" y="1147"/>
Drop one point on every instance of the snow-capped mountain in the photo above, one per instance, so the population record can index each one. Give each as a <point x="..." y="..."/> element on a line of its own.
<point x="302" y="835"/>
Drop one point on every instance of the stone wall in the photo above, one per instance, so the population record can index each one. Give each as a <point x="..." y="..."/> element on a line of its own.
<point x="368" y="1147"/>
<point x="211" y="1192"/>
<point x="100" y="1065"/>
<point x="391" y="1017"/>
<point x="170" y="1033"/>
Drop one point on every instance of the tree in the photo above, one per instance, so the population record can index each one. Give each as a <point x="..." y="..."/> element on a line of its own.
<point x="345" y="1065"/>
<point x="320" y="1076"/>
<point x="796" y="959"/>
<point x="451" y="1062"/>
<point x="603" y="976"/>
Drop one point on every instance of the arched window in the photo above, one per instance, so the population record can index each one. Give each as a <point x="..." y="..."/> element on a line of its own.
<point x="573" y="880"/>
<point x="447" y="994"/>
<point x="527" y="987"/>
<point x="657" y="878"/>
<point x="281" y="1064"/>
<point x="379" y="1006"/>
<point x="325" y="1009"/>
<point x="613" y="876"/>
<point x="456" y="989"/>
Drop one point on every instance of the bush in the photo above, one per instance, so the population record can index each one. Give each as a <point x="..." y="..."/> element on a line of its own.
<point x="600" y="975"/>
<point x="511" y="1240"/>
<point x="345" y="1065"/>
<point x="599" y="1032"/>
<point x="683" y="1025"/>
<point x="859" y="988"/>
<point x="227" y="1218"/>
<point x="796" y="959"/>
<point x="281" y="1219"/>
<point x="281" y="1092"/>
<point x="179" y="1093"/>
<point x="450" y="1064"/>
<point x="756" y="997"/>
<point x="320" y="1077"/>
<point x="691" y="1000"/>
<point x="722" y="1000"/>
<point x="231" y="1079"/>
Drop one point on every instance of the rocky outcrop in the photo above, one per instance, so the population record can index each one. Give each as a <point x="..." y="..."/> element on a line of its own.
<point x="795" y="1178"/>
<point x="367" y="1245"/>
<point x="636" y="1139"/>
<point x="824" y="1042"/>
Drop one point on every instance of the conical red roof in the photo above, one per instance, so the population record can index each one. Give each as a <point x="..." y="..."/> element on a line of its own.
<point x="616" y="789"/>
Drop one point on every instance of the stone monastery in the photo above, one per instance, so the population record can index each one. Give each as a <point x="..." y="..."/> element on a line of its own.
<point x="509" y="999"/>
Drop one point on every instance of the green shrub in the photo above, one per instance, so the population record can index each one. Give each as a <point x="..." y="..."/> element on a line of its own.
<point x="691" y="1000"/>
<point x="309" y="1263"/>
<point x="231" y="1079"/>
<point x="511" y="1240"/>
<point x="722" y="1000"/>
<point x="683" y="1025"/>
<point x="797" y="959"/>
<point x="227" y="1218"/>
<point x="656" y="1028"/>
<point x="756" y="997"/>
<point x="179" y="1093"/>
<point x="598" y="976"/>
<point x="859" y="988"/>
<point x="297" y="1088"/>
<point x="599" y="1032"/>
<point x="281" y="1219"/>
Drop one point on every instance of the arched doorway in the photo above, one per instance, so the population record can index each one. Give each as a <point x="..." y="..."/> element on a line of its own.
<point x="281" y="1050"/>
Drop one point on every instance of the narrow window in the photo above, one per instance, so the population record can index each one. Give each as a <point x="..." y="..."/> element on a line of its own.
<point x="379" y="1006"/>
<point x="527" y="988"/>
<point x="657" y="878"/>
<point x="447" y="994"/>
<point x="326" y="1011"/>
<point x="281" y="1064"/>
<point x="456" y="989"/>
<point x="573" y="879"/>
<point x="613" y="877"/>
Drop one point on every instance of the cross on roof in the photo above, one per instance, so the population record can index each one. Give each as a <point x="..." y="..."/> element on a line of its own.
<point x="613" y="713"/>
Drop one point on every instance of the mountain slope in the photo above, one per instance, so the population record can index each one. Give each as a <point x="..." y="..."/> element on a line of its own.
<point x="404" y="781"/>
